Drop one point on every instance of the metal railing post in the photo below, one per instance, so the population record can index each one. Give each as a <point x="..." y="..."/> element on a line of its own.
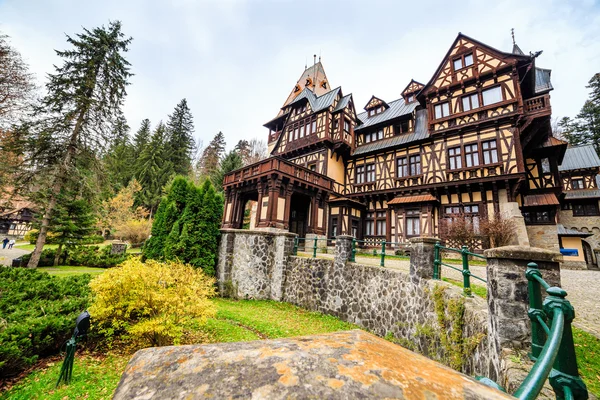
<point x="564" y="377"/>
<point x="465" y="271"/>
<point x="295" y="250"/>
<point x="536" y="310"/>
<point x="436" y="260"/>
<point x="382" y="263"/>
<point x="315" y="248"/>
<point x="353" y="251"/>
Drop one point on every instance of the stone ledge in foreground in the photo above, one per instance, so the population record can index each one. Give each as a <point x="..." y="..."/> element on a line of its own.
<point x="342" y="365"/>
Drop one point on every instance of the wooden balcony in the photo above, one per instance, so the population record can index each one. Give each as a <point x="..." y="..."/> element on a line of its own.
<point x="537" y="106"/>
<point x="276" y="165"/>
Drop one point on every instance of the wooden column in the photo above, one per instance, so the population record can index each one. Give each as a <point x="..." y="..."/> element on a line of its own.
<point x="259" y="205"/>
<point x="274" y="185"/>
<point x="289" y="190"/>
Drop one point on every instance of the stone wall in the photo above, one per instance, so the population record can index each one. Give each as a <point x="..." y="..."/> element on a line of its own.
<point x="543" y="236"/>
<point x="386" y="302"/>
<point x="252" y="264"/>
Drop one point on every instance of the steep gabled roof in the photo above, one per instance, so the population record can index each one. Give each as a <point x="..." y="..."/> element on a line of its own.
<point x="416" y="87"/>
<point x="375" y="101"/>
<point x="316" y="75"/>
<point x="580" y="157"/>
<point x="317" y="103"/>
<point x="496" y="52"/>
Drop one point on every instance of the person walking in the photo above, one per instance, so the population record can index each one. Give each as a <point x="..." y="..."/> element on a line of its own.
<point x="4" y="242"/>
<point x="11" y="243"/>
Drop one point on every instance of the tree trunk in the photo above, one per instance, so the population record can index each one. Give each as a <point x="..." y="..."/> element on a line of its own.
<point x="59" y="181"/>
<point x="57" y="256"/>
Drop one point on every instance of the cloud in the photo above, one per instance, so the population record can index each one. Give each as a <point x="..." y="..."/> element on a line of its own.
<point x="236" y="61"/>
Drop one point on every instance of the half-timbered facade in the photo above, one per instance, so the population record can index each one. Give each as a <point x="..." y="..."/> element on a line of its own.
<point x="473" y="141"/>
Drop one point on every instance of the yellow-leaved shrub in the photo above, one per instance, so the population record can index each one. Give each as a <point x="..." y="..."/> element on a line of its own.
<point x="151" y="303"/>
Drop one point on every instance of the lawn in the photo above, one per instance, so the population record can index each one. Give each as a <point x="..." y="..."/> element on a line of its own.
<point x="97" y="376"/>
<point x="68" y="270"/>
<point x="31" y="247"/>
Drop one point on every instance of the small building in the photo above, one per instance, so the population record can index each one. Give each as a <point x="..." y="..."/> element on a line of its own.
<point x="580" y="212"/>
<point x="16" y="216"/>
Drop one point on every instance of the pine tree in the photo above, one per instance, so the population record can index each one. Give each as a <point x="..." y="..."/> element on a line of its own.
<point x="585" y="129"/>
<point x="83" y="96"/>
<point x="119" y="159"/>
<point x="243" y="149"/>
<point x="231" y="162"/>
<point x="212" y="154"/>
<point x="180" y="138"/>
<point x="153" y="170"/>
<point x="141" y="138"/>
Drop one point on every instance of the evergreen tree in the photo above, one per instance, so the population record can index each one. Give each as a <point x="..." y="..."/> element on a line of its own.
<point x="119" y="159"/>
<point x="231" y="162"/>
<point x="141" y="138"/>
<point x="243" y="149"/>
<point x="585" y="128"/>
<point x="169" y="211"/>
<point x="72" y="221"/>
<point x="180" y="142"/>
<point x="153" y="170"/>
<point x="212" y="154"/>
<point x="82" y="97"/>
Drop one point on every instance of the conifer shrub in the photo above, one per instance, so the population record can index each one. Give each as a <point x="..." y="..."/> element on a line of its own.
<point x="186" y="226"/>
<point x="88" y="256"/>
<point x="151" y="303"/>
<point x="37" y="315"/>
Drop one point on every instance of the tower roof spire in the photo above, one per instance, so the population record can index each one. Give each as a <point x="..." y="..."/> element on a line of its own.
<point x="516" y="49"/>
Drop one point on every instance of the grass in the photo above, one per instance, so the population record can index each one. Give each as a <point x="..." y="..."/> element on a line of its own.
<point x="587" y="348"/>
<point x="96" y="377"/>
<point x="31" y="247"/>
<point x="477" y="290"/>
<point x="68" y="270"/>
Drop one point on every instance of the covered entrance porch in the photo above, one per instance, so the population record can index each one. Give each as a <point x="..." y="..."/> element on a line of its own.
<point x="289" y="197"/>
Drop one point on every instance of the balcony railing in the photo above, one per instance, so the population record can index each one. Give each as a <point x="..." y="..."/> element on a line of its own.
<point x="275" y="164"/>
<point x="538" y="105"/>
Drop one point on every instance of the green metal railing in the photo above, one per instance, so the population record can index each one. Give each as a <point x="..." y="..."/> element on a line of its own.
<point x="382" y="245"/>
<point x="466" y="273"/>
<point x="311" y="244"/>
<point x="551" y="346"/>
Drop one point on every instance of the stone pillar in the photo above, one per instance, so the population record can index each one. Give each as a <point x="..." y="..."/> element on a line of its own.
<point x="507" y="297"/>
<point x="421" y="257"/>
<point x="343" y="249"/>
<point x="511" y="210"/>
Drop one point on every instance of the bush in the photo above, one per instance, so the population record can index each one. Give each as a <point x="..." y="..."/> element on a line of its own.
<point x="94" y="256"/>
<point x="501" y="230"/>
<point x="134" y="231"/>
<point x="151" y="304"/>
<point x="38" y="314"/>
<point x="92" y="239"/>
<point x="46" y="259"/>
<point x="33" y="234"/>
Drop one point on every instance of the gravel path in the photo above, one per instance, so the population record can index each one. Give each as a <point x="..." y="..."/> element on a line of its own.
<point x="582" y="287"/>
<point x="7" y="255"/>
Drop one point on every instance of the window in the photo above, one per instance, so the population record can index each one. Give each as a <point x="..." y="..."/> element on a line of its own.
<point x="302" y="130"/>
<point x="333" y="227"/>
<point x="373" y="136"/>
<point x="312" y="166"/>
<point x="336" y="124"/>
<point x="415" y="164"/>
<point x="577" y="184"/>
<point x="381" y="223"/>
<point x="441" y="110"/>
<point x="588" y="208"/>
<point x="401" y="168"/>
<point x="404" y="126"/>
<point x="545" y="166"/>
<point x="539" y="216"/>
<point x="470" y="102"/>
<point x="491" y="96"/>
<point x="458" y="64"/>
<point x="472" y="214"/>
<point x="471" y="155"/>
<point x="411" y="98"/>
<point x="490" y="152"/>
<point x="454" y="158"/>
<point x="468" y="59"/>
<point x="354" y="228"/>
<point x="313" y="126"/>
<point x="296" y="129"/>
<point x="346" y="125"/>
<point x="360" y="174"/>
<point x="413" y="223"/>
<point x="370" y="173"/>
<point x="370" y="224"/>
<point x="469" y="212"/>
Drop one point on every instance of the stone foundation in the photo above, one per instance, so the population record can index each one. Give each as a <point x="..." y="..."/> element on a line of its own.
<point x="543" y="237"/>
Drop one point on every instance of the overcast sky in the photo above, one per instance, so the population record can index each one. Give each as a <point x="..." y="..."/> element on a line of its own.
<point x="237" y="61"/>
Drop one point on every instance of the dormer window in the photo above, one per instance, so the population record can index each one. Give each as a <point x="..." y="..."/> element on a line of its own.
<point x="375" y="111"/>
<point x="410" y="98"/>
<point x="373" y="136"/>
